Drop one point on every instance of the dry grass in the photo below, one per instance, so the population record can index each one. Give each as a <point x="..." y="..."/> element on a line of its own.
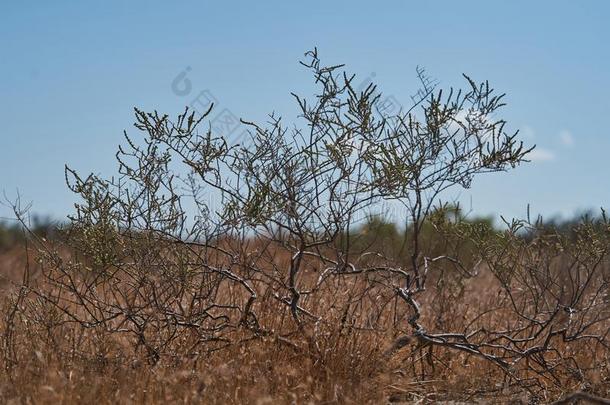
<point x="335" y="361"/>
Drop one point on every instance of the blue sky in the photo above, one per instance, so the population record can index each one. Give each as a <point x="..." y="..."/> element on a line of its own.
<point x="71" y="73"/>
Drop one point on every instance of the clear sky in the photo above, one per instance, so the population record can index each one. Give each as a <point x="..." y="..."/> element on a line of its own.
<point x="71" y="72"/>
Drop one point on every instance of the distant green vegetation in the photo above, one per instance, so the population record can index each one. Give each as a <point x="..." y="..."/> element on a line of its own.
<point x="376" y="232"/>
<point x="393" y="240"/>
<point x="12" y="234"/>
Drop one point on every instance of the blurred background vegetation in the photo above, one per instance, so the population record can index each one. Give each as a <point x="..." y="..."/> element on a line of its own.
<point x="377" y="233"/>
<point x="391" y="240"/>
<point x="12" y="233"/>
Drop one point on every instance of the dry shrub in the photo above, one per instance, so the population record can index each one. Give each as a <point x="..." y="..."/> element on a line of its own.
<point x="281" y="294"/>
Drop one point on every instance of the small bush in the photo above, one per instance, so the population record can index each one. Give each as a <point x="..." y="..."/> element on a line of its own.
<point x="282" y="294"/>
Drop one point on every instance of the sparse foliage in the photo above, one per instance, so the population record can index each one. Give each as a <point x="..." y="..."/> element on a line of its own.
<point x="150" y="268"/>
